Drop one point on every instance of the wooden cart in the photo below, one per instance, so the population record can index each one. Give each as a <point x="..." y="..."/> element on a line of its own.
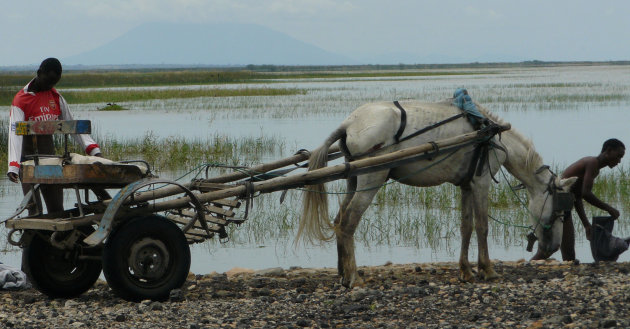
<point x="140" y="237"/>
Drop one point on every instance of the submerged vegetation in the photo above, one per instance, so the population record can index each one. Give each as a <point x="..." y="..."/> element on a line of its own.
<point x="400" y="215"/>
<point x="113" y="107"/>
<point x="96" y="96"/>
<point x="10" y="83"/>
<point x="128" y="95"/>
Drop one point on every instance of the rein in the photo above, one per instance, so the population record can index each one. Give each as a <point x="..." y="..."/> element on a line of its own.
<point x="561" y="201"/>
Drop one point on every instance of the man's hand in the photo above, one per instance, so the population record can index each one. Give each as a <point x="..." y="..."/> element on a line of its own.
<point x="13" y="177"/>
<point x="614" y="213"/>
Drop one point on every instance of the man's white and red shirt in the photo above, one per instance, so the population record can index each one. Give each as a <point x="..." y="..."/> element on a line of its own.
<point x="40" y="106"/>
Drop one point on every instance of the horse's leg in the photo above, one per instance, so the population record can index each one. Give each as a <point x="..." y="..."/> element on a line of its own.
<point x="367" y="187"/>
<point x="465" y="270"/>
<point x="351" y="187"/>
<point x="481" y="192"/>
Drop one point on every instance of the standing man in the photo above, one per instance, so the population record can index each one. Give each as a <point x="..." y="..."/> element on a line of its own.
<point x="586" y="169"/>
<point x="39" y="101"/>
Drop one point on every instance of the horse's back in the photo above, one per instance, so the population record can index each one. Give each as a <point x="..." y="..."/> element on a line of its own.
<point x="375" y="125"/>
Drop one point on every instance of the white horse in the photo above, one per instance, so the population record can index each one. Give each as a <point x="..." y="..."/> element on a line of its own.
<point x="371" y="130"/>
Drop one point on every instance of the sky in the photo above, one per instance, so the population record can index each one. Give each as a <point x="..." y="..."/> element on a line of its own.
<point x="451" y="30"/>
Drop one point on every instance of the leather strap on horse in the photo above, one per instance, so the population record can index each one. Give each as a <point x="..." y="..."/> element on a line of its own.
<point x="403" y="124"/>
<point x="249" y="197"/>
<point x="436" y="151"/>
<point x="472" y="166"/>
<point x="480" y="157"/>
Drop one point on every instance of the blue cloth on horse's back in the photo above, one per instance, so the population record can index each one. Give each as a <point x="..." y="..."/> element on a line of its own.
<point x="462" y="100"/>
<point x="605" y="246"/>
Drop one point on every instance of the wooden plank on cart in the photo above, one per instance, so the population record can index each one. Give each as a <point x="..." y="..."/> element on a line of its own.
<point x="214" y="210"/>
<point x="24" y="128"/>
<point x="220" y="211"/>
<point x="199" y="233"/>
<point x="114" y="175"/>
<point x="227" y="203"/>
<point x="40" y="224"/>
<point x="209" y="218"/>
<point x="194" y="238"/>
<point x="185" y="221"/>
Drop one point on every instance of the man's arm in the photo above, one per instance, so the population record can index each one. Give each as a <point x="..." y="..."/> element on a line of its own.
<point x="15" y="144"/>
<point x="579" y="208"/>
<point x="591" y="171"/>
<point x="87" y="143"/>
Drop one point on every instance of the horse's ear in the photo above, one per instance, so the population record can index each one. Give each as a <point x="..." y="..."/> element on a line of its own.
<point x="566" y="183"/>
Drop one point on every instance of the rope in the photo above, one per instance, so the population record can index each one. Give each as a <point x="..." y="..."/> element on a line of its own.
<point x="200" y="168"/>
<point x="538" y="222"/>
<point x="509" y="224"/>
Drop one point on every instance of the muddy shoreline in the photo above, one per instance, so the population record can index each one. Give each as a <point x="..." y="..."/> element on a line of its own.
<point x="542" y="294"/>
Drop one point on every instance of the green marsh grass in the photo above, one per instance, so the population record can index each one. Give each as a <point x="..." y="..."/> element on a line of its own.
<point x="98" y="96"/>
<point x="118" y="78"/>
<point x="112" y="107"/>
<point x="172" y="153"/>
<point x="427" y="217"/>
<point x="400" y="215"/>
<point x="10" y="83"/>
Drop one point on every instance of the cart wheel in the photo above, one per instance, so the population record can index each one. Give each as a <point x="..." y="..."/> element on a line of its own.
<point x="146" y="258"/>
<point x="59" y="273"/>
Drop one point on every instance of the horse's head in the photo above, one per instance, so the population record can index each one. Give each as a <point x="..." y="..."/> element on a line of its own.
<point x="547" y="205"/>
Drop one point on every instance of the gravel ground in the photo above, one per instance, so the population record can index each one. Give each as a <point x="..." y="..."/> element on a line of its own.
<point x="540" y="294"/>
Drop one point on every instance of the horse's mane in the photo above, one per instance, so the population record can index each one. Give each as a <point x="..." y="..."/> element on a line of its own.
<point x="533" y="160"/>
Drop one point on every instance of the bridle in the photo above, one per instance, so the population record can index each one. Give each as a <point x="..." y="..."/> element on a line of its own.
<point x="561" y="203"/>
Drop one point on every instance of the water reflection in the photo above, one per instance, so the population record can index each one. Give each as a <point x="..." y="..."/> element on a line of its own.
<point x="545" y="105"/>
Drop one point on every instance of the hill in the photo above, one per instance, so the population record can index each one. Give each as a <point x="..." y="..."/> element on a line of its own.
<point x="224" y="44"/>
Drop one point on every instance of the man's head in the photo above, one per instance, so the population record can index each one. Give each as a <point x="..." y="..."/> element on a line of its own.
<point x="613" y="150"/>
<point x="49" y="73"/>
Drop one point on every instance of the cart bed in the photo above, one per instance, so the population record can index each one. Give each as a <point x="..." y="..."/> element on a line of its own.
<point x="102" y="175"/>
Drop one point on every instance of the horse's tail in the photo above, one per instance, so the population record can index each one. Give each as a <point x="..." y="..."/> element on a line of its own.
<point x="315" y="223"/>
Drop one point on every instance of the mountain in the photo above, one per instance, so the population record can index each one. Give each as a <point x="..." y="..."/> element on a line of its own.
<point x="206" y="44"/>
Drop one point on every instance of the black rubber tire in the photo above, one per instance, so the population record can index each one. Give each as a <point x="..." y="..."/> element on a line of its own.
<point x="58" y="273"/>
<point x="152" y="240"/>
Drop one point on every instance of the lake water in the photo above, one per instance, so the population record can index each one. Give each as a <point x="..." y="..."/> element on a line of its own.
<point x="567" y="112"/>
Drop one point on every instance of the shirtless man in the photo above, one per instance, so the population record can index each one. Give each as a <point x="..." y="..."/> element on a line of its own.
<point x="586" y="169"/>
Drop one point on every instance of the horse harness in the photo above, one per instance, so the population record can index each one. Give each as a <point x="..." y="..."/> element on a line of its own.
<point x="561" y="202"/>
<point x="480" y="153"/>
<point x="403" y="124"/>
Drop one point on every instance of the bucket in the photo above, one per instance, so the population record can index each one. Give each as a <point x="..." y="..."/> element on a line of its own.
<point x="605" y="246"/>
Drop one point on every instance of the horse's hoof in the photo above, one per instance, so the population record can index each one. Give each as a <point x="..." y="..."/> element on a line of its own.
<point x="352" y="281"/>
<point x="467" y="277"/>
<point x="490" y="276"/>
<point x="346" y="282"/>
<point x="358" y="282"/>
